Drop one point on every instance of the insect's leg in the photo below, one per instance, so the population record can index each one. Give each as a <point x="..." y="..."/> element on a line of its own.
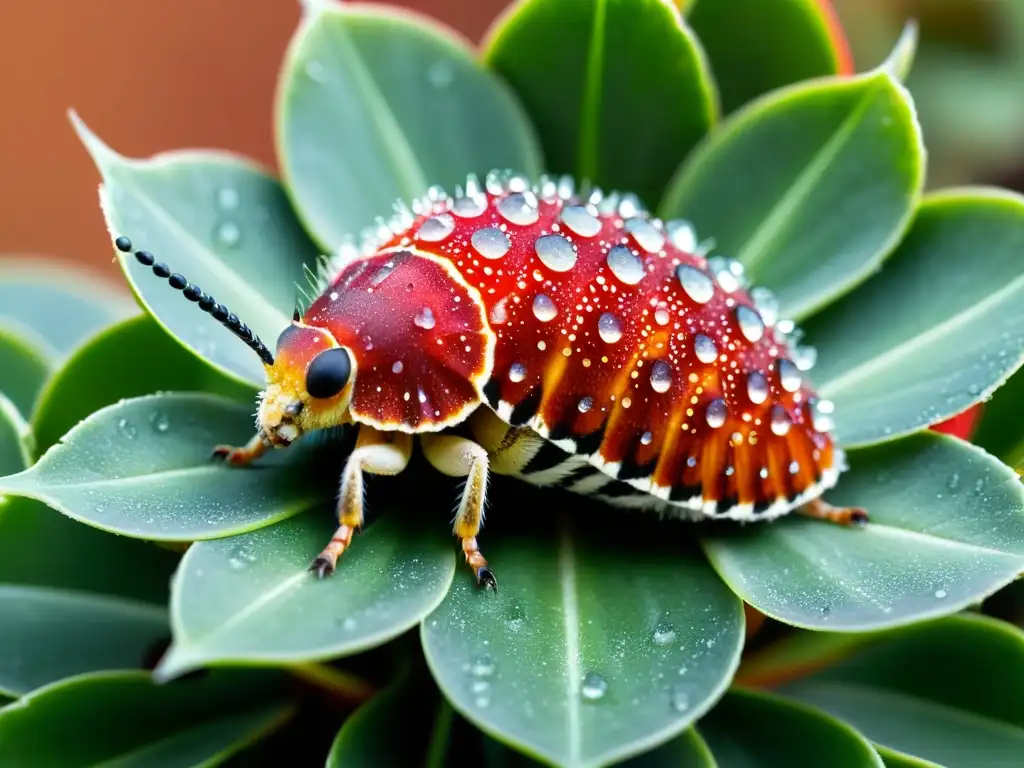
<point x="461" y="457"/>
<point x="822" y="510"/>
<point x="379" y="453"/>
<point x="239" y="457"/>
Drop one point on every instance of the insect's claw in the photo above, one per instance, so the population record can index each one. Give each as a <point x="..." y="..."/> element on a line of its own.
<point x="323" y="567"/>
<point x="485" y="578"/>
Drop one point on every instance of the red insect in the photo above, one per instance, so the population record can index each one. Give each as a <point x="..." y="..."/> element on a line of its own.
<point x="565" y="338"/>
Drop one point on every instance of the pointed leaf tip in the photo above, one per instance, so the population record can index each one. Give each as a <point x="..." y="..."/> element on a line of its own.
<point x="900" y="60"/>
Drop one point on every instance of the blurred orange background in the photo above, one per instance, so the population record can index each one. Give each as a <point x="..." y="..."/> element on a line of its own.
<point x="147" y="77"/>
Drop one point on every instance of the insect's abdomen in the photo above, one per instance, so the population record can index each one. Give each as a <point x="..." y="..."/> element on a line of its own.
<point x="617" y="340"/>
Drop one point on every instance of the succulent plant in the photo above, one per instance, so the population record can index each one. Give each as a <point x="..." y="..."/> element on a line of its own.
<point x="158" y="606"/>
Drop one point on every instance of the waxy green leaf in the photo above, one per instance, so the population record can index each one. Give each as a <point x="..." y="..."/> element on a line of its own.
<point x="376" y="105"/>
<point x="946" y="530"/>
<point x="54" y="307"/>
<point x="225" y="225"/>
<point x="938" y="329"/>
<point x="941" y="692"/>
<point x="778" y="42"/>
<point x="96" y="376"/>
<point x="16" y="443"/>
<point x="619" y="90"/>
<point x="23" y="372"/>
<point x="124" y="718"/>
<point x="809" y="187"/>
<point x="143" y="468"/>
<point x="51" y="634"/>
<point x="41" y="547"/>
<point x="252" y="598"/>
<point x="748" y="728"/>
<point x="591" y="651"/>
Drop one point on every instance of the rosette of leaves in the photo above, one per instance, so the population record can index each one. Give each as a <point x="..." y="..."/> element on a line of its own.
<point x="137" y="576"/>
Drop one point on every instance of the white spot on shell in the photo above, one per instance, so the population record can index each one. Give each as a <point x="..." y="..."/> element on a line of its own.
<point x="705" y="348"/>
<point x="645" y="233"/>
<point x="490" y="242"/>
<point x="609" y="328"/>
<point x="716" y="412"/>
<point x="625" y="265"/>
<point x="579" y="220"/>
<point x="519" y="209"/>
<point x="751" y="324"/>
<point x="544" y="308"/>
<point x="555" y="252"/>
<point x="436" y="228"/>
<point x="661" y="376"/>
<point x="697" y="284"/>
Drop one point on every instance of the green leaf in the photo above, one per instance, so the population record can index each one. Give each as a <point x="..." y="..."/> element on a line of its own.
<point x="938" y="329"/>
<point x="619" y="89"/>
<point x="590" y="652"/>
<point x="41" y="547"/>
<point x="809" y="187"/>
<point x="797" y="654"/>
<point x="143" y="468"/>
<point x="375" y="105"/>
<point x="1001" y="428"/>
<point x="124" y="718"/>
<point x="253" y="599"/>
<point x="15" y="440"/>
<point x="24" y="370"/>
<point x="96" y="376"/>
<point x="947" y="530"/>
<point x="223" y="223"/>
<point x="940" y="692"/>
<point x="51" y="634"/>
<point x="778" y="42"/>
<point x="749" y="728"/>
<point x="54" y="305"/>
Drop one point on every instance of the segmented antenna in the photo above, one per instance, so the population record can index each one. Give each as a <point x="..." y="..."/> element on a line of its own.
<point x="207" y="303"/>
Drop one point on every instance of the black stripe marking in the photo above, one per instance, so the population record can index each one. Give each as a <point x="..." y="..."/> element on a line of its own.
<point x="548" y="457"/>
<point x="588" y="445"/>
<point x="526" y="409"/>
<point x="615" y="489"/>
<point x="492" y="392"/>
<point x="683" y="492"/>
<point x="579" y="473"/>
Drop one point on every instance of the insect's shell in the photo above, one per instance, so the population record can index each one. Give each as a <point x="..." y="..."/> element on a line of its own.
<point x="607" y="332"/>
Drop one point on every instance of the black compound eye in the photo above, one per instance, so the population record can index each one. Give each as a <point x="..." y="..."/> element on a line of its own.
<point x="328" y="374"/>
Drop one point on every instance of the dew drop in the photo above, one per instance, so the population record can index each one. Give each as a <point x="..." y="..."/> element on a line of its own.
<point x="664" y="634"/>
<point x="647" y="235"/>
<point x="127" y="429"/>
<point x="697" y="284"/>
<point x="609" y="328"/>
<point x="805" y="357"/>
<point x="469" y="207"/>
<point x="940" y="594"/>
<point x="680" y="699"/>
<point x="766" y="303"/>
<point x="227" y="198"/>
<point x="820" y="415"/>
<point x="716" y="412"/>
<point x="228" y="234"/>
<point x="397" y="367"/>
<point x="757" y="387"/>
<point x="499" y="312"/>
<point x="491" y="242"/>
<point x="682" y="235"/>
<point x="579" y="220"/>
<point x="751" y="325"/>
<point x="594" y="686"/>
<point x="727" y="280"/>
<point x="482" y="666"/>
<point x="516" y="372"/>
<point x="625" y="265"/>
<point x="315" y="71"/>
<point x="705" y="348"/>
<point x="585" y="404"/>
<point x="436" y="228"/>
<point x="544" y="308"/>
<point x="440" y="74"/>
<point x="160" y="421"/>
<point x="425" y="319"/>
<point x="662" y="315"/>
<point x="780" y="420"/>
<point x="646" y="438"/>
<point x="517" y="209"/>
<point x="661" y="376"/>
<point x="555" y="252"/>
<point x="629" y="206"/>
<point x="789" y="375"/>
